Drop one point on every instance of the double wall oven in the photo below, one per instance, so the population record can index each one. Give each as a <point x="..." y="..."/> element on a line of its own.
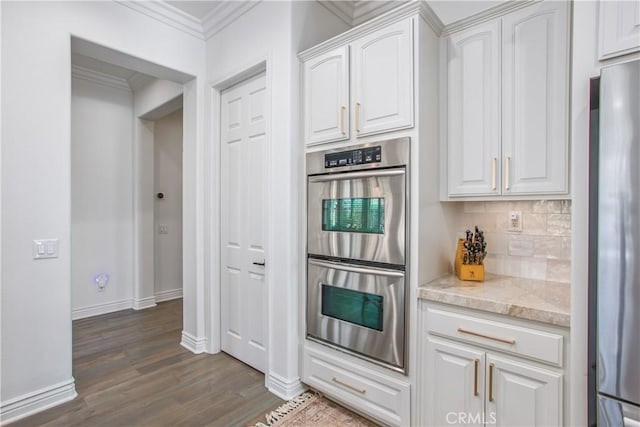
<point x="357" y="206"/>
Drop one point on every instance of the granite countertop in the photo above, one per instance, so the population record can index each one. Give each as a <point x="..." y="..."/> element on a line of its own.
<point x="539" y="300"/>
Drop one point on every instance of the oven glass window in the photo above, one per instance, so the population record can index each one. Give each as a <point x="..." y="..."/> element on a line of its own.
<point x="356" y="215"/>
<point x="351" y="306"/>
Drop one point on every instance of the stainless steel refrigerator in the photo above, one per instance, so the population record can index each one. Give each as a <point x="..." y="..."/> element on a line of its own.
<point x="615" y="264"/>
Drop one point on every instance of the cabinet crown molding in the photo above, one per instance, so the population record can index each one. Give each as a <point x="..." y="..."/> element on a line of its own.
<point x="412" y="8"/>
<point x="487" y="15"/>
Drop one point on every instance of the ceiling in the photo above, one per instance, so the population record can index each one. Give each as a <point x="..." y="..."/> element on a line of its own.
<point x="448" y="11"/>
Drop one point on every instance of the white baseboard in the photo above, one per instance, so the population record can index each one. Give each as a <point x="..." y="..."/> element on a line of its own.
<point x="141" y="304"/>
<point x="168" y="295"/>
<point x="193" y="344"/>
<point x="98" y="309"/>
<point x="283" y="388"/>
<point x="37" y="401"/>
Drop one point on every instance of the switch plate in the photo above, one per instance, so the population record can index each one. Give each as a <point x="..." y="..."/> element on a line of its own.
<point x="45" y="248"/>
<point x="515" y="221"/>
<point x="163" y="229"/>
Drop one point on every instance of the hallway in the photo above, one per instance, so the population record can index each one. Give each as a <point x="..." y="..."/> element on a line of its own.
<point x="130" y="370"/>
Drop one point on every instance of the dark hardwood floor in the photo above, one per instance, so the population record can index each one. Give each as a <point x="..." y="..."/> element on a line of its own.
<point x="130" y="370"/>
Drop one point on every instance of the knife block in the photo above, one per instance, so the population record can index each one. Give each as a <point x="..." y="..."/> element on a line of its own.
<point x="470" y="272"/>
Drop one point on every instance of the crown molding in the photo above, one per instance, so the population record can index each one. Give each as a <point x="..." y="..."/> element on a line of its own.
<point x="342" y="10"/>
<point x="431" y="18"/>
<point x="167" y="14"/>
<point x="365" y="10"/>
<point x="138" y="80"/>
<point x="99" y="78"/>
<point x="487" y="15"/>
<point x="400" y="12"/>
<point x="224" y="13"/>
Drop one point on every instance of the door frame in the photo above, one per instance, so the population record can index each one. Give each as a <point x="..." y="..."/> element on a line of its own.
<point x="213" y="297"/>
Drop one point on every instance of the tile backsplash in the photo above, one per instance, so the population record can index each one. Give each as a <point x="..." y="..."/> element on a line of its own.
<point x="542" y="250"/>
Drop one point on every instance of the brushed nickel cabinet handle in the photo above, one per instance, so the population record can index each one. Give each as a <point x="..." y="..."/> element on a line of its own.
<point x="358" y="117"/>
<point x="491" y="382"/>
<point x="489" y="337"/>
<point x="342" y="110"/>
<point x="475" y="376"/>
<point x="507" y="161"/>
<point x="350" y="387"/>
<point x="493" y="173"/>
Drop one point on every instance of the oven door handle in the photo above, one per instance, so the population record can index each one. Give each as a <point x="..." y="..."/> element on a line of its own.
<point x="356" y="269"/>
<point x="374" y="173"/>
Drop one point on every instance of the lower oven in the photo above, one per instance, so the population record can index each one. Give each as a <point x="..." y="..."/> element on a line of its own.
<point x="358" y="309"/>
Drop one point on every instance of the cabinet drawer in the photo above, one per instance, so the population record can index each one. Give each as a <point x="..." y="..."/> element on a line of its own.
<point x="532" y="343"/>
<point x="380" y="397"/>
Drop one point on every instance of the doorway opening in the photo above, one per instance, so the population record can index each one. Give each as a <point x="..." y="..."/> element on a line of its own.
<point x="129" y="119"/>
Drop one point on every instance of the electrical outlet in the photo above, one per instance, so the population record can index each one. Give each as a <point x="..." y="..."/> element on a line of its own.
<point x="163" y="229"/>
<point x="515" y="221"/>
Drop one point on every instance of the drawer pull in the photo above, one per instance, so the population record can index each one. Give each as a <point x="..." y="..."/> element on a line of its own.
<point x="475" y="376"/>
<point x="350" y="387"/>
<point x="489" y="337"/>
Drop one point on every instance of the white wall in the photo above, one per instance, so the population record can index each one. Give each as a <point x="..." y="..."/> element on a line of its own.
<point x="273" y="32"/>
<point x="101" y="197"/>
<point x="167" y="170"/>
<point x="36" y="187"/>
<point x="147" y="101"/>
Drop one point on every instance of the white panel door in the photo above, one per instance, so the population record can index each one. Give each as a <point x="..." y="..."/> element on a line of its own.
<point x="522" y="395"/>
<point x="243" y="210"/>
<point x="473" y="119"/>
<point x="535" y="99"/>
<point x="454" y="379"/>
<point x="382" y="80"/>
<point x="326" y="97"/>
<point x="619" y="27"/>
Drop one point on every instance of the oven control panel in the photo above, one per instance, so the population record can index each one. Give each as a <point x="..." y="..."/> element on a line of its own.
<point x="353" y="157"/>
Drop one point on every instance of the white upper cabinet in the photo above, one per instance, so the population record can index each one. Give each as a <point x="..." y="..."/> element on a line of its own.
<point x="474" y="110"/>
<point x="326" y="101"/>
<point x="508" y="105"/>
<point x="383" y="79"/>
<point x="619" y="28"/>
<point x="362" y="88"/>
<point x="535" y="102"/>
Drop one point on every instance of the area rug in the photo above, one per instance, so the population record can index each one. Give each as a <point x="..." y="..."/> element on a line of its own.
<point x="312" y="410"/>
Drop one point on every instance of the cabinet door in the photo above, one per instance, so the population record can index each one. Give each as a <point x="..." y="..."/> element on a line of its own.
<point x="453" y="381"/>
<point x="619" y="28"/>
<point x="519" y="394"/>
<point x="473" y="119"/>
<point x="383" y="80"/>
<point x="326" y="97"/>
<point x="535" y="99"/>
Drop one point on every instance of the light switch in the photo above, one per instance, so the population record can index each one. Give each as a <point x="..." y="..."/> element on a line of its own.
<point x="45" y="248"/>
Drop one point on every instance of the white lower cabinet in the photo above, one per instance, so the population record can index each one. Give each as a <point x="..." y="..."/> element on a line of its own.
<point x="368" y="391"/>
<point x="466" y="383"/>
<point x="520" y="394"/>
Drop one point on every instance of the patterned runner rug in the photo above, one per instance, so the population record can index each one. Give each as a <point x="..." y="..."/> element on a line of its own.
<point x="312" y="410"/>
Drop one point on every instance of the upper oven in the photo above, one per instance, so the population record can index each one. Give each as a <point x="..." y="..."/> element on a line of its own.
<point x="356" y="202"/>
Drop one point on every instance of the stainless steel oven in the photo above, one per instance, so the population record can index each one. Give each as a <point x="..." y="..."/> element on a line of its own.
<point x="357" y="204"/>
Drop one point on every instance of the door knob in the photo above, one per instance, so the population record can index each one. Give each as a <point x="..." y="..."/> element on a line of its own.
<point x="259" y="263"/>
